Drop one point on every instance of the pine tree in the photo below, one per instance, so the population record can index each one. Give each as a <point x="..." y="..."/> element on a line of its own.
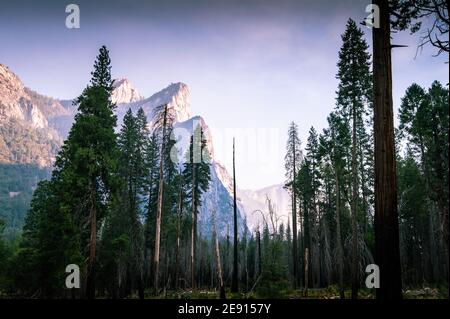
<point x="413" y="212"/>
<point x="354" y="93"/>
<point x="424" y="125"/>
<point x="85" y="168"/>
<point x="293" y="160"/>
<point x="312" y="159"/>
<point x="127" y="225"/>
<point x="163" y="121"/>
<point x="50" y="242"/>
<point x="335" y="143"/>
<point x="152" y="170"/>
<point x="197" y="176"/>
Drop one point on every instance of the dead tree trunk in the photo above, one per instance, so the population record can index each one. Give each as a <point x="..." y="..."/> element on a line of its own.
<point x="387" y="250"/>
<point x="218" y="261"/>
<point x="258" y="239"/>
<point x="160" y="204"/>
<point x="340" y="253"/>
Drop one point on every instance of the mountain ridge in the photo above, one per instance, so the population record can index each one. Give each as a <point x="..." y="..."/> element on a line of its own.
<point x="52" y="119"/>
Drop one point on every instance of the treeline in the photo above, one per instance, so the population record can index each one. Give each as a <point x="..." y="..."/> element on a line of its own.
<point x="124" y="208"/>
<point x="116" y="205"/>
<point x="331" y="183"/>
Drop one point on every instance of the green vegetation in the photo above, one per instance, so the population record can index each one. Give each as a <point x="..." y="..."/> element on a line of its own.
<point x="121" y="207"/>
<point x="17" y="183"/>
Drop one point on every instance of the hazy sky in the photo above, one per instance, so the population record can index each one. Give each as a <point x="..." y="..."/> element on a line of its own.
<point x="252" y="66"/>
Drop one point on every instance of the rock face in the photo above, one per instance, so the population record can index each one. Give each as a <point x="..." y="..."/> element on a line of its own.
<point x="219" y="196"/>
<point x="15" y="101"/>
<point x="45" y="122"/>
<point x="124" y="92"/>
<point x="26" y="135"/>
<point x="21" y="103"/>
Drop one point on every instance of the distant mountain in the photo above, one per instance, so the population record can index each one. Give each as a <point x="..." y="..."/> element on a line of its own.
<point x="253" y="201"/>
<point x="26" y="132"/>
<point x="176" y="96"/>
<point x="219" y="195"/>
<point x="33" y="126"/>
<point x="125" y="92"/>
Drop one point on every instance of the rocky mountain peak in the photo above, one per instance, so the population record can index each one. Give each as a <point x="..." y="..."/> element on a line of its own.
<point x="125" y="92"/>
<point x="11" y="88"/>
<point x="176" y="96"/>
<point x="15" y="102"/>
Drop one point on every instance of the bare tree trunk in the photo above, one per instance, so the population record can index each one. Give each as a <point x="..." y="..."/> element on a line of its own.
<point x="387" y="250"/>
<point x="160" y="204"/>
<point x="234" y="281"/>
<point x="355" y="249"/>
<point x="258" y="239"/>
<point x="218" y="261"/>
<point x="339" y="239"/>
<point x="300" y="244"/>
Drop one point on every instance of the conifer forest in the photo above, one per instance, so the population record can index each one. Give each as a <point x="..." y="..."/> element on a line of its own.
<point x="109" y="202"/>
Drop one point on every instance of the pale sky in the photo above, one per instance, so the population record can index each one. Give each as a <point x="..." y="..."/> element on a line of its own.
<point x="252" y="66"/>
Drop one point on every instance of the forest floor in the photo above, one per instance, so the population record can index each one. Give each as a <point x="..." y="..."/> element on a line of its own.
<point x="317" y="293"/>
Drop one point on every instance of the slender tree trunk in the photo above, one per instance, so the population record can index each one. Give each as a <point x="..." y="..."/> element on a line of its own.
<point x="363" y="190"/>
<point x="178" y="247"/>
<point x="160" y="204"/>
<point x="218" y="261"/>
<point x="258" y="239"/>
<point x="300" y="244"/>
<point x="194" y="228"/>
<point x="147" y="238"/>
<point x="355" y="248"/>
<point x="387" y="250"/>
<point x="340" y="253"/>
<point x="234" y="282"/>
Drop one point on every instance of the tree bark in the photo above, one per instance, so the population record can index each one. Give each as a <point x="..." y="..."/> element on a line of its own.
<point x="258" y="239"/>
<point x="339" y="239"/>
<point x="306" y="272"/>
<point x="387" y="250"/>
<point x="159" y="205"/>
<point x="218" y="261"/>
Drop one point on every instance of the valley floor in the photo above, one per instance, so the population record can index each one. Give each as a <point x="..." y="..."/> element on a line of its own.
<point x="317" y="293"/>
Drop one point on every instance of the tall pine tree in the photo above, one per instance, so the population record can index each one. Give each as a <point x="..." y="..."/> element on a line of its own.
<point x="353" y="95"/>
